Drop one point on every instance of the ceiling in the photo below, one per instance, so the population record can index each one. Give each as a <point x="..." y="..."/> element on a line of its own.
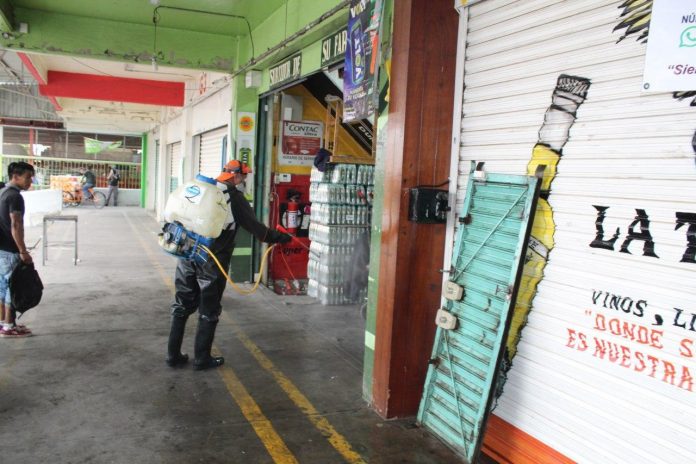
<point x="104" y="64"/>
<point x="113" y="68"/>
<point x="118" y="116"/>
<point x="88" y="114"/>
<point x="113" y="115"/>
<point x="141" y="12"/>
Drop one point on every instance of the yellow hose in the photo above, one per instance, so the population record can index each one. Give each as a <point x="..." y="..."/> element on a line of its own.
<point x="234" y="286"/>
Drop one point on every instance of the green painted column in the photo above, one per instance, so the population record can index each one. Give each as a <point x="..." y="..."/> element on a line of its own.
<point x="375" y="252"/>
<point x="143" y="171"/>
<point x="378" y="201"/>
<point x="240" y="265"/>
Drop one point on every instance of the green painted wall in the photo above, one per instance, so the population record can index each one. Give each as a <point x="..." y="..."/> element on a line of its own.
<point x="6" y="16"/>
<point x="311" y="62"/>
<point x="246" y="100"/>
<point x="189" y="40"/>
<point x="287" y="20"/>
<point x="280" y="25"/>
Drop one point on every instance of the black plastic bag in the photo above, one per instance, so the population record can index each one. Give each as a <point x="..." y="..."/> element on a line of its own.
<point x="26" y="287"/>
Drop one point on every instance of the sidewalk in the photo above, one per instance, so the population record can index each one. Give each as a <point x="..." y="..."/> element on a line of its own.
<point x="91" y="384"/>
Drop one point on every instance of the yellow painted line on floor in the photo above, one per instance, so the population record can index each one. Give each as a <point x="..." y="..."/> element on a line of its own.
<point x="337" y="440"/>
<point x="275" y="445"/>
<point x="262" y="426"/>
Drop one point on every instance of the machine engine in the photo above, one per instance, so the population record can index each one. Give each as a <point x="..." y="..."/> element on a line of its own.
<point x="182" y="243"/>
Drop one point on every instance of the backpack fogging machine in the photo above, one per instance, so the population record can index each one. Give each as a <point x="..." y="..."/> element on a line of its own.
<point x="195" y="214"/>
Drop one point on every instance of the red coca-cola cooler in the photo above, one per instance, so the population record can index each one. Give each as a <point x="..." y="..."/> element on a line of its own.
<point x="290" y="209"/>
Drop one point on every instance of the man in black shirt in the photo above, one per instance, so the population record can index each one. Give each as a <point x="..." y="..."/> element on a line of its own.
<point x="12" y="246"/>
<point x="112" y="179"/>
<point x="88" y="181"/>
<point x="200" y="285"/>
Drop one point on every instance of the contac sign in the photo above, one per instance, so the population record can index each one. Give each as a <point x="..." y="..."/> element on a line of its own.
<point x="286" y="71"/>
<point x="302" y="129"/>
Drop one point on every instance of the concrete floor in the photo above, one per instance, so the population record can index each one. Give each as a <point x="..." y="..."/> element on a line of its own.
<point x="91" y="385"/>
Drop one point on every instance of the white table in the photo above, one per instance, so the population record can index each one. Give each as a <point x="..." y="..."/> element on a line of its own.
<point x="52" y="219"/>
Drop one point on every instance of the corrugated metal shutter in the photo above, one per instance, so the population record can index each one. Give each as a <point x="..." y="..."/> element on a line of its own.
<point x="487" y="265"/>
<point x="175" y="165"/>
<point x="211" y="156"/>
<point x="551" y="81"/>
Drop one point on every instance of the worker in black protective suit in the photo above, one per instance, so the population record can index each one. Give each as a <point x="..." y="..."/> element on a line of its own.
<point x="200" y="285"/>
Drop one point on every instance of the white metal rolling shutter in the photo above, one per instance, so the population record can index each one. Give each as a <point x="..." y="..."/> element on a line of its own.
<point x="211" y="156"/>
<point x="623" y="150"/>
<point x="175" y="158"/>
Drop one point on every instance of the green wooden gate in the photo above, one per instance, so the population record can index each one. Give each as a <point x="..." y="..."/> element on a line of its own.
<point x="472" y="326"/>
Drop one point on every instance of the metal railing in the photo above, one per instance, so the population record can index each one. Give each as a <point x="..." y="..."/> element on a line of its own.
<point x="47" y="167"/>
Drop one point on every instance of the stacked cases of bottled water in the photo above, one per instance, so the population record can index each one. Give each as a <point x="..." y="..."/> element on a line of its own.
<point x="341" y="199"/>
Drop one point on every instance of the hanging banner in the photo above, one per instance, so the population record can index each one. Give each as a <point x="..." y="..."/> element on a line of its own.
<point x="97" y="146"/>
<point x="669" y="60"/>
<point x="361" y="59"/>
<point x="300" y="142"/>
<point x="246" y="139"/>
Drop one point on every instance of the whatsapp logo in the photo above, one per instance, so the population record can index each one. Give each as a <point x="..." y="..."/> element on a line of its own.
<point x="688" y="37"/>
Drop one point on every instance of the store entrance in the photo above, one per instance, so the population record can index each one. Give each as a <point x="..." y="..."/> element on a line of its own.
<point x="304" y="125"/>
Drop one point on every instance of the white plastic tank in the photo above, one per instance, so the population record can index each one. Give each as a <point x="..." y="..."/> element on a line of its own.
<point x="199" y="206"/>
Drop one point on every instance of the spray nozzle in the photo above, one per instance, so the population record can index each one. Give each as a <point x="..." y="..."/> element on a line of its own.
<point x="282" y="229"/>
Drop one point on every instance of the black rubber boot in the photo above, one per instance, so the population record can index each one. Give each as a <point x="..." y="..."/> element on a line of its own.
<point x="176" y="337"/>
<point x="203" y="344"/>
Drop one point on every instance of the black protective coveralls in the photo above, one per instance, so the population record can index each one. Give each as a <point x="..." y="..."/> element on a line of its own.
<point x="199" y="286"/>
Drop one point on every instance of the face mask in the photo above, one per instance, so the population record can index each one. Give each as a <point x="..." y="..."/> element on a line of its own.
<point x="241" y="187"/>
